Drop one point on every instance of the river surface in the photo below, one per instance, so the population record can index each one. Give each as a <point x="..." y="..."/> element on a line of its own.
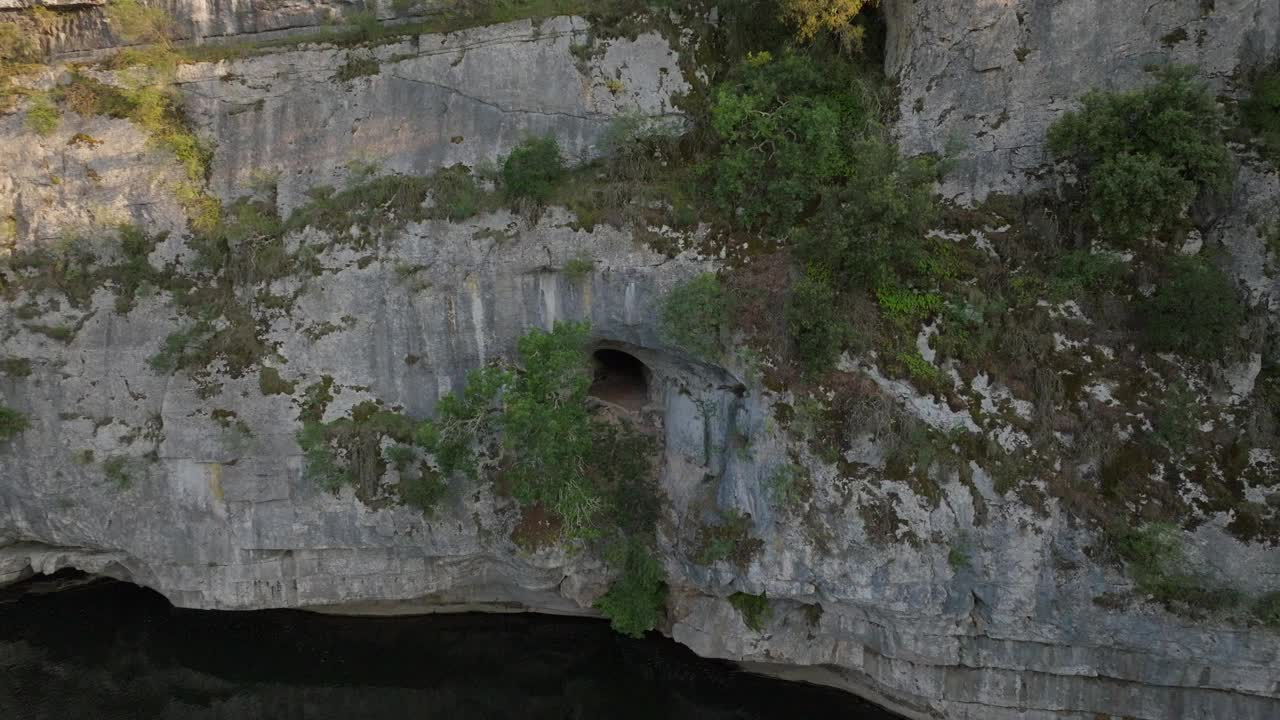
<point x="117" y="652"/>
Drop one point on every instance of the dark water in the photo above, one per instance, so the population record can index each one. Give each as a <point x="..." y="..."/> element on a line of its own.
<point x="114" y="651"/>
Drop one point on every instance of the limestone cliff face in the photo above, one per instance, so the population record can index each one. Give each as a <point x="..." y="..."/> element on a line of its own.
<point x="217" y="513"/>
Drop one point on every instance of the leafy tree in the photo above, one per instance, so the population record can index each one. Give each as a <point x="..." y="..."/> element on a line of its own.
<point x="871" y="231"/>
<point x="787" y="126"/>
<point x="1194" y="311"/>
<point x="532" y="170"/>
<point x="1143" y="156"/>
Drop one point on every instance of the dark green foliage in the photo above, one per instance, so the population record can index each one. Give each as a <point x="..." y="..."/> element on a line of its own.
<point x="813" y="320"/>
<point x="533" y="170"/>
<point x="12" y="423"/>
<point x="1195" y="311"/>
<point x="788" y="127"/>
<point x="170" y="356"/>
<point x="1267" y="610"/>
<point x="635" y="600"/>
<point x="871" y="231"/>
<point x="357" y="67"/>
<point x="1261" y="111"/>
<point x="424" y="491"/>
<point x="695" y="316"/>
<point x="756" y="610"/>
<point x="1081" y="271"/>
<point x="1144" y="155"/>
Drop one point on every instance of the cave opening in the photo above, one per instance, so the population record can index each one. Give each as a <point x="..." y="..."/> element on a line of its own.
<point x="620" y="379"/>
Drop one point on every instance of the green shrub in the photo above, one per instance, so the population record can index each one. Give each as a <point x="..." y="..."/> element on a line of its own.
<point x="814" y="323"/>
<point x="12" y="423"/>
<point x="423" y="492"/>
<point x="1195" y="311"/>
<point x="1144" y="155"/>
<point x="533" y="170"/>
<point x="787" y="128"/>
<point x="1261" y="111"/>
<point x="357" y="67"/>
<point x="1080" y="271"/>
<point x="695" y="316"/>
<point x="579" y="267"/>
<point x="755" y="609"/>
<point x="634" y="601"/>
<point x="43" y="116"/>
<point x="871" y="230"/>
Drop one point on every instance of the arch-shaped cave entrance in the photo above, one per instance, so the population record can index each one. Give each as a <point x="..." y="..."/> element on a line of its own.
<point x="620" y="379"/>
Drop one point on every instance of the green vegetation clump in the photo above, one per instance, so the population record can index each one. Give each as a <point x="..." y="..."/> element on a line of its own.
<point x="728" y="540"/>
<point x="1194" y="311"/>
<point x="533" y="170"/>
<point x="870" y="232"/>
<point x="532" y="421"/>
<point x="12" y="423"/>
<point x="43" y="116"/>
<point x="634" y="602"/>
<point x="755" y="609"/>
<point x="1145" y="155"/>
<point x="787" y="128"/>
<point x="695" y="316"/>
<point x="357" y="67"/>
<point x="1261" y="111"/>
<point x="814" y="322"/>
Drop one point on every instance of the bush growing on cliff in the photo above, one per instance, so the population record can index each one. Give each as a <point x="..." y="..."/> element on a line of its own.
<point x="533" y="170"/>
<point x="634" y="601"/>
<point x="695" y="316"/>
<point x="43" y="116"/>
<point x="12" y="423"/>
<point x="788" y="127"/>
<point x="1195" y="310"/>
<point x="813" y="321"/>
<point x="870" y="232"/>
<point x="1145" y="155"/>
<point x="1261" y="111"/>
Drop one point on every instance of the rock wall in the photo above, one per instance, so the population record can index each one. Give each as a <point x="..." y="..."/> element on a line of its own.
<point x="992" y="75"/>
<point x="218" y="515"/>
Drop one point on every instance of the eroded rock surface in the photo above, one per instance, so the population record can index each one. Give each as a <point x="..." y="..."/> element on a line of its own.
<point x="216" y="512"/>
